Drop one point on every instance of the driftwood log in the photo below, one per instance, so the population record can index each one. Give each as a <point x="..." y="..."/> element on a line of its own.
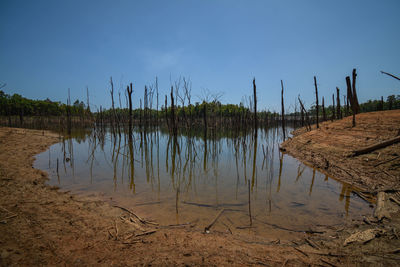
<point x="376" y="146"/>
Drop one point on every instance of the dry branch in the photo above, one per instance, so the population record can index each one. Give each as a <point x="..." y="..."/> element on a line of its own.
<point x="391" y="75"/>
<point x="137" y="217"/>
<point x="207" y="228"/>
<point x="376" y="146"/>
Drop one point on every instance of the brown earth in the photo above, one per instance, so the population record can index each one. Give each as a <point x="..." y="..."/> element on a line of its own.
<point x="329" y="148"/>
<point x="40" y="225"/>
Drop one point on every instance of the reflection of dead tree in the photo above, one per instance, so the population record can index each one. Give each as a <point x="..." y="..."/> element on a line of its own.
<point x="391" y="75"/>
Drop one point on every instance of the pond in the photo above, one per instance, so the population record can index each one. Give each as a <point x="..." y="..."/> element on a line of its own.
<point x="190" y="178"/>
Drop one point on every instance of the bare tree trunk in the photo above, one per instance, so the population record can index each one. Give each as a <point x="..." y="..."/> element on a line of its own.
<point x="283" y="113"/>
<point x="323" y="109"/>
<point x="357" y="106"/>
<point x="173" y="112"/>
<point x="166" y="112"/>
<point x="255" y="103"/>
<point x="304" y="111"/>
<point x="69" y="122"/>
<point x="339" y="111"/>
<point x="316" y="96"/>
<point x="129" y="90"/>
<point x="333" y="107"/>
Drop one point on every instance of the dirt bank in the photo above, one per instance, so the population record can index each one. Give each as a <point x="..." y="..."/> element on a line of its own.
<point x="41" y="226"/>
<point x="328" y="148"/>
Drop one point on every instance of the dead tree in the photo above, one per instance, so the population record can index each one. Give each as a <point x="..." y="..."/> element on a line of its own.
<point x="316" y="96"/>
<point x="351" y="99"/>
<point x="69" y="120"/>
<point x="283" y="112"/>
<point x="357" y="106"/>
<point x="352" y="95"/>
<point x="173" y="122"/>
<point x="304" y="112"/>
<point x="157" y="96"/>
<point x="338" y="109"/>
<point x="166" y="112"/>
<point x="129" y="91"/>
<point x="333" y="107"/>
<point x="114" y="120"/>
<point x="87" y="100"/>
<point x="255" y="103"/>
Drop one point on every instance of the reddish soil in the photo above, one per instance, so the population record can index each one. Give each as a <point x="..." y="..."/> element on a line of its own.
<point x="329" y="148"/>
<point x="40" y="225"/>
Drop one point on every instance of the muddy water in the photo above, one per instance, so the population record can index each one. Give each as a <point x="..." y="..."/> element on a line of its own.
<point x="190" y="179"/>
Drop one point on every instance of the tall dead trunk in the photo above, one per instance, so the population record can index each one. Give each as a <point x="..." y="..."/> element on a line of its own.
<point x="333" y="107"/>
<point x="316" y="97"/>
<point x="357" y="106"/>
<point x="129" y="91"/>
<point x="283" y="113"/>
<point x="338" y="109"/>
<point x="255" y="102"/>
<point x="166" y="112"/>
<point x="173" y="122"/>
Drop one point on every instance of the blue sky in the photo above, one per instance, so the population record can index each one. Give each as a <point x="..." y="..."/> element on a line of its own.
<point x="47" y="47"/>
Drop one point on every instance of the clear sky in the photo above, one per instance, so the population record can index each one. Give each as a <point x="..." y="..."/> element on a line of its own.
<point x="47" y="47"/>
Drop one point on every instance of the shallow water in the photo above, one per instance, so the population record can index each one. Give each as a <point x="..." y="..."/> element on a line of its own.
<point x="186" y="179"/>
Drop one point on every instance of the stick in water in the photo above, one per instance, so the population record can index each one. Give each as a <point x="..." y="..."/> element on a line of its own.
<point x="251" y="221"/>
<point x="207" y="228"/>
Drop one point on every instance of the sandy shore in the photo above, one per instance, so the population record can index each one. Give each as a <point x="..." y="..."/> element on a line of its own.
<point x="41" y="226"/>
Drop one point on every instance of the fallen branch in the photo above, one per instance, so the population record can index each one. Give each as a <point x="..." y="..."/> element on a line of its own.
<point x="148" y="203"/>
<point x="214" y="206"/>
<point x="9" y="217"/>
<point x="376" y="146"/>
<point x="146" y="233"/>
<point x="289" y="230"/>
<point x="191" y="224"/>
<point x="137" y="217"/>
<point x="311" y="243"/>
<point x="207" y="228"/>
<point x="395" y="200"/>
<point x="362" y="196"/>
<point x="302" y="252"/>
<point x="386" y="161"/>
<point x="327" y="262"/>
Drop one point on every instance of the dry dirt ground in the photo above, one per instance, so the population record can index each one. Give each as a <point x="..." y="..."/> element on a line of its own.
<point x="41" y="226"/>
<point x="329" y="148"/>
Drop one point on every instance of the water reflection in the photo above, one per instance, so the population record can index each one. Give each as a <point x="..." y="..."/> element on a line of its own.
<point x="182" y="177"/>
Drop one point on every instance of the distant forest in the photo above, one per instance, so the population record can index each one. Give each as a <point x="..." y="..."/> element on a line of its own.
<point x="17" y="105"/>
